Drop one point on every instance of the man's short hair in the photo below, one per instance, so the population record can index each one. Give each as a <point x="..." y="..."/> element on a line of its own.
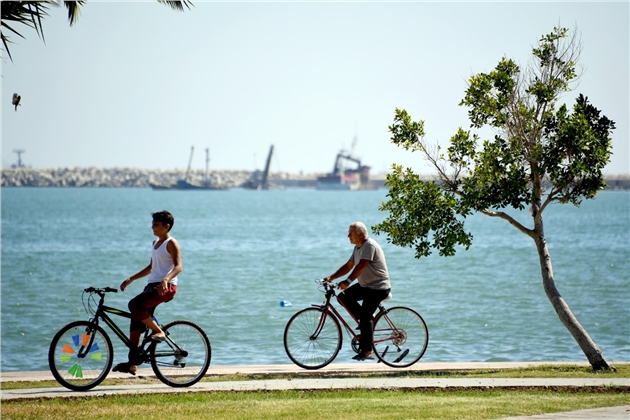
<point x="359" y="227"/>
<point x="164" y="217"/>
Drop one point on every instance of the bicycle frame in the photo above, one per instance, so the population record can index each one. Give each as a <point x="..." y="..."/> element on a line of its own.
<point x="328" y="309"/>
<point x="101" y="314"/>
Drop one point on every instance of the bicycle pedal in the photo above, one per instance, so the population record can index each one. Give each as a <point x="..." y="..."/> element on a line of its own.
<point x="402" y="356"/>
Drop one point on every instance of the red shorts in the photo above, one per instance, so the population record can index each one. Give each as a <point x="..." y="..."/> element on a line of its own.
<point x="143" y="306"/>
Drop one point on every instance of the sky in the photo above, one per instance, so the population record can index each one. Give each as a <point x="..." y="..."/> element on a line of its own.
<point x="137" y="84"/>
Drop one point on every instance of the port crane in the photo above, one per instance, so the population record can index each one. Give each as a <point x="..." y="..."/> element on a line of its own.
<point x="19" y="153"/>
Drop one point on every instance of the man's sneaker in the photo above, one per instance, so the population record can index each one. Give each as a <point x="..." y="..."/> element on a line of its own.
<point x="125" y="368"/>
<point x="362" y="357"/>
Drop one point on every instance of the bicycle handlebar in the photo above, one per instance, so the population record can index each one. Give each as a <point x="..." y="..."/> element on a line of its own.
<point x="328" y="285"/>
<point x="100" y="290"/>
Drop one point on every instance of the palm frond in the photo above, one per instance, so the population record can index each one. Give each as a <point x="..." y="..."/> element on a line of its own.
<point x="177" y="4"/>
<point x="28" y="13"/>
<point x="74" y="10"/>
<point x="31" y="13"/>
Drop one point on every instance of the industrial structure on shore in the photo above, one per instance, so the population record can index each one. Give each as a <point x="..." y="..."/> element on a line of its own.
<point x="344" y="178"/>
<point x="341" y="178"/>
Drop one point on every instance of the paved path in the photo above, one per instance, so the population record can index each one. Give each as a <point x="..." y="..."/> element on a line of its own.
<point x="606" y="413"/>
<point x="302" y="381"/>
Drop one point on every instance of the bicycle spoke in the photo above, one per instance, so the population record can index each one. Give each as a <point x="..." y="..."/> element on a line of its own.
<point x="80" y="357"/>
<point x="308" y="343"/>
<point x="183" y="359"/>
<point x="400" y="337"/>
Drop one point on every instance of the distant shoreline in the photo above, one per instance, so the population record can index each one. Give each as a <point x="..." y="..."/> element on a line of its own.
<point x="144" y="178"/>
<point x="124" y="177"/>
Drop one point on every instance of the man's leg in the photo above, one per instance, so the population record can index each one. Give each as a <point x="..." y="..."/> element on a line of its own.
<point x="142" y="308"/>
<point x="350" y="297"/>
<point x="371" y="300"/>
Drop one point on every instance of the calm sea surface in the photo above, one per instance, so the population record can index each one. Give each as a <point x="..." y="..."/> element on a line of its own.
<point x="245" y="251"/>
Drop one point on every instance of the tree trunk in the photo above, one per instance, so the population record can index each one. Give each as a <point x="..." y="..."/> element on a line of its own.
<point x="590" y="349"/>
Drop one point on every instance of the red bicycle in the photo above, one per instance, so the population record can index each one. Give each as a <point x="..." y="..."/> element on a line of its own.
<point x="313" y="336"/>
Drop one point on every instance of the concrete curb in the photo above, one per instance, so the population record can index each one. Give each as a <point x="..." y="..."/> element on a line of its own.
<point x="317" y="384"/>
<point x="291" y="369"/>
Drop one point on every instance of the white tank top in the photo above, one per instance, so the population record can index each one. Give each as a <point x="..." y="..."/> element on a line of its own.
<point x="161" y="263"/>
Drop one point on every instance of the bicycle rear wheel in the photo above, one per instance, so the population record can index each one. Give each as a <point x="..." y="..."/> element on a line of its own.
<point x="400" y="337"/>
<point x="184" y="357"/>
<point x="80" y="356"/>
<point x="304" y="348"/>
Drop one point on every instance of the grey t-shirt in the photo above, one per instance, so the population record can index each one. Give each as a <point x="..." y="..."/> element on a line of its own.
<point x="375" y="275"/>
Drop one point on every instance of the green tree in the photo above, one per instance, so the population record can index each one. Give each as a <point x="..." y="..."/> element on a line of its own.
<point x="31" y="13"/>
<point x="540" y="153"/>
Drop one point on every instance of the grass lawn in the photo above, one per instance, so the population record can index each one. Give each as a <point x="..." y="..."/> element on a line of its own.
<point x="337" y="404"/>
<point x="343" y="404"/>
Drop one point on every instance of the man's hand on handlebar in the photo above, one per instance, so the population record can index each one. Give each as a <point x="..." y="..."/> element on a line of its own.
<point x="344" y="284"/>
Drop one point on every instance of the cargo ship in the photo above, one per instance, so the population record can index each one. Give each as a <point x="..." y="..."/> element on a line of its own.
<point x="342" y="178"/>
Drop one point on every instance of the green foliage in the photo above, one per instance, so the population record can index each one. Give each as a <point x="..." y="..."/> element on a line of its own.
<point x="417" y="208"/>
<point x="538" y="154"/>
<point x="489" y="95"/>
<point x="407" y="133"/>
<point x="576" y="148"/>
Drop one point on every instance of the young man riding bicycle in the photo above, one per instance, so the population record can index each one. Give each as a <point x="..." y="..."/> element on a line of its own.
<point x="165" y="265"/>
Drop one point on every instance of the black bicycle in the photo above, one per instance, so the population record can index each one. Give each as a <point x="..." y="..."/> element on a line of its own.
<point x="81" y="353"/>
<point x="313" y="336"/>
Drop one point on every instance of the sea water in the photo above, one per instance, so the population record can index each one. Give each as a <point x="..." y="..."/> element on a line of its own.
<point x="244" y="252"/>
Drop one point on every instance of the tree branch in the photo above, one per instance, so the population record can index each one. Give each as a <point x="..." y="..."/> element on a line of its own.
<point x="550" y="198"/>
<point x="510" y="219"/>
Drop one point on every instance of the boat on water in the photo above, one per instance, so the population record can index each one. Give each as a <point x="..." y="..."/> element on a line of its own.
<point x="185" y="184"/>
<point x="342" y="178"/>
<point x="161" y="187"/>
<point x="343" y="181"/>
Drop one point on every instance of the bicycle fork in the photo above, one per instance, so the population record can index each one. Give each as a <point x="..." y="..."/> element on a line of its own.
<point x="320" y="325"/>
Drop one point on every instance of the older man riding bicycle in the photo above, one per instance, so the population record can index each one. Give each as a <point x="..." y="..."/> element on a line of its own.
<point x="367" y="265"/>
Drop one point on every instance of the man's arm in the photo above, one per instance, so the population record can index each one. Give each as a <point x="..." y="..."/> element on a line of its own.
<point x="144" y="272"/>
<point x="344" y="269"/>
<point x="353" y="276"/>
<point x="172" y="247"/>
<point x="358" y="269"/>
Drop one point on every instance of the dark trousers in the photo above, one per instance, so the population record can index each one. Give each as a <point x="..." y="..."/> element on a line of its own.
<point x="371" y="298"/>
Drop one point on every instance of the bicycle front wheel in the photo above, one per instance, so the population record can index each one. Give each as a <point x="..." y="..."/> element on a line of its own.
<point x="309" y="344"/>
<point x="400" y="337"/>
<point x="80" y="356"/>
<point x="184" y="357"/>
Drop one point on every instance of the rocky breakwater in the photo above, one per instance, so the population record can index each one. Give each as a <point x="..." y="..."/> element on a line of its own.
<point x="115" y="177"/>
